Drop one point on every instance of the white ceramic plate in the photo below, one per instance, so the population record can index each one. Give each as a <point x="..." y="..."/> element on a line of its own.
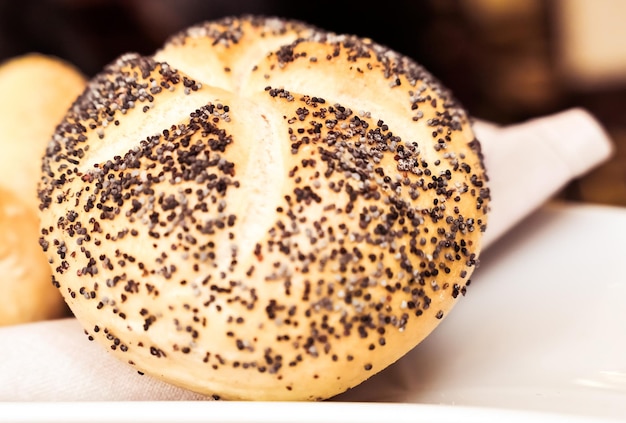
<point x="540" y="336"/>
<point x="264" y="412"/>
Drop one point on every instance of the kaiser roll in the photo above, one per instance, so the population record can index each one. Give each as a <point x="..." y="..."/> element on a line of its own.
<point x="262" y="209"/>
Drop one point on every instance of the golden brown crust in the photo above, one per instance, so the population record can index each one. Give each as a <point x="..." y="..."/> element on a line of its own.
<point x="277" y="224"/>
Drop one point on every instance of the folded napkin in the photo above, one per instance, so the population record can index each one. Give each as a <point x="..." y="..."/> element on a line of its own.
<point x="527" y="164"/>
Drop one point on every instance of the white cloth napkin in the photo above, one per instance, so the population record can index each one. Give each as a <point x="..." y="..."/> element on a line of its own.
<point x="529" y="162"/>
<point x="527" y="165"/>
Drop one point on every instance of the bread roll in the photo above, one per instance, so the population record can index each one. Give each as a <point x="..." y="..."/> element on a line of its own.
<point x="26" y="291"/>
<point x="263" y="210"/>
<point x="35" y="93"/>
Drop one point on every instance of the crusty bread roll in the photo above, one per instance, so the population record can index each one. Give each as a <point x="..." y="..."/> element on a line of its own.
<point x="26" y="291"/>
<point x="263" y="210"/>
<point x="35" y="93"/>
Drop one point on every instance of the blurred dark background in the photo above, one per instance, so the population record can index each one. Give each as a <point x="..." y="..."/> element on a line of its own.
<point x="506" y="61"/>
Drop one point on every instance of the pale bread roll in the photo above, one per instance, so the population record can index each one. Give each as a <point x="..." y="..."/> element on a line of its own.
<point x="263" y="210"/>
<point x="35" y="93"/>
<point x="26" y="290"/>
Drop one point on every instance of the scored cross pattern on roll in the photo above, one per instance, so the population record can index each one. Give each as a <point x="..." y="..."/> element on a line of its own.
<point x="263" y="210"/>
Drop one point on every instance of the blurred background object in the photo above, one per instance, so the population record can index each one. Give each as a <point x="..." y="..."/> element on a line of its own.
<point x="589" y="39"/>
<point x="506" y="61"/>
